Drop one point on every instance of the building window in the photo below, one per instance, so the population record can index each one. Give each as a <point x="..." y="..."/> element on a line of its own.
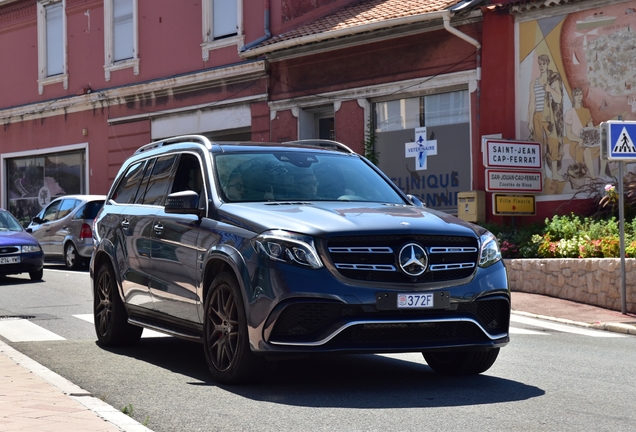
<point x="51" y="43"/>
<point x="34" y="179"/>
<point x="120" y="36"/>
<point x="222" y="25"/>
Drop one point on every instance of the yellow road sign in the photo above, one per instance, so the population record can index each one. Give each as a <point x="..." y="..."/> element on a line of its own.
<point x="514" y="205"/>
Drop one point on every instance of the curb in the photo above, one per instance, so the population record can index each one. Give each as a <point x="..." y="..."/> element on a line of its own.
<point x="607" y="326"/>
<point x="85" y="398"/>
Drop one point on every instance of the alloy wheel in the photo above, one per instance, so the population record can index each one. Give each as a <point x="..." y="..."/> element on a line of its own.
<point x="223" y="328"/>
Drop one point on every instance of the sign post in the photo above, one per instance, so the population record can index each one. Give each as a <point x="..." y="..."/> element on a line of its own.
<point x="619" y="145"/>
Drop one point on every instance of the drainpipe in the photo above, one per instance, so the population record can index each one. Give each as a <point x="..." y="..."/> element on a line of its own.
<point x="268" y="34"/>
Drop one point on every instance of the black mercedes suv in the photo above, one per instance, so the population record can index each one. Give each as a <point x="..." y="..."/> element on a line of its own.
<point x="259" y="250"/>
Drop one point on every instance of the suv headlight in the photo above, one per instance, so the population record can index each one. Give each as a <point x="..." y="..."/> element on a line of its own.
<point x="489" y="253"/>
<point x="31" y="248"/>
<point x="287" y="247"/>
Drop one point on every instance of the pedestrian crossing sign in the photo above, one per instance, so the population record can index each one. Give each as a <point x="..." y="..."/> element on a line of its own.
<point x="621" y="139"/>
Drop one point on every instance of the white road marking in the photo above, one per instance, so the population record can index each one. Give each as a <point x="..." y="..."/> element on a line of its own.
<point x="22" y="330"/>
<point x="514" y="330"/>
<point x="146" y="334"/>
<point x="563" y="328"/>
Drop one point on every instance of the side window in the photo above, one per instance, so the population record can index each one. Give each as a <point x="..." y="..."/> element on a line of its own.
<point x="89" y="210"/>
<point x="127" y="188"/>
<point x="66" y="207"/>
<point x="51" y="211"/>
<point x="188" y="175"/>
<point x="159" y="181"/>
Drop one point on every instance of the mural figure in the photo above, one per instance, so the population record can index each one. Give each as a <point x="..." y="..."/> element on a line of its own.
<point x="584" y="143"/>
<point x="545" y="115"/>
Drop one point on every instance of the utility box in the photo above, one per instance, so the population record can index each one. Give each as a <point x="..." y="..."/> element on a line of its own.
<point x="471" y="206"/>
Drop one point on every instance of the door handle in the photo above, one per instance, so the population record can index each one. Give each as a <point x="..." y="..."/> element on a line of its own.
<point x="125" y="223"/>
<point x="158" y="228"/>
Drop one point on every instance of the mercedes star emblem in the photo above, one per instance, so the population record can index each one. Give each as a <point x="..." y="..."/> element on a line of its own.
<point x="413" y="259"/>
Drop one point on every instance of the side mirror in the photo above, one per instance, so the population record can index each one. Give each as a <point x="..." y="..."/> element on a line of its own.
<point x="416" y="201"/>
<point x="37" y="220"/>
<point x="29" y="230"/>
<point x="184" y="202"/>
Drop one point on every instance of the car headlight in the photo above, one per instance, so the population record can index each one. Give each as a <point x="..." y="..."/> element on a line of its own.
<point x="287" y="247"/>
<point x="490" y="252"/>
<point x="31" y="248"/>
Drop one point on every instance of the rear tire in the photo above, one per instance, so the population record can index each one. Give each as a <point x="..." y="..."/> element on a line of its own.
<point x="225" y="340"/>
<point x="72" y="260"/>
<point x="111" y="319"/>
<point x="36" y="275"/>
<point x="461" y="362"/>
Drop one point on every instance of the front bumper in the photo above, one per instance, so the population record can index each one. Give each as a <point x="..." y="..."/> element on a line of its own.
<point x="28" y="263"/>
<point x="319" y="313"/>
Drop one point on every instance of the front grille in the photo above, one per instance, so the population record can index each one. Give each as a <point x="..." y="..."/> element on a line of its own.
<point x="9" y="250"/>
<point x="375" y="258"/>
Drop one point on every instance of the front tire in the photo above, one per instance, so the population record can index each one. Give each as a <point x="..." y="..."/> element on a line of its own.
<point x="72" y="260"/>
<point x="460" y="362"/>
<point x="226" y="344"/>
<point x="36" y="275"/>
<point x="111" y="319"/>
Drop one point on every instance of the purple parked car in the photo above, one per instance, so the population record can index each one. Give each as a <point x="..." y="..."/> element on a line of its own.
<point x="20" y="252"/>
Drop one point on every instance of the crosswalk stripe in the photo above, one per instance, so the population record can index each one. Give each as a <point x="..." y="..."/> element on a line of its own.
<point x="146" y="334"/>
<point x="563" y="328"/>
<point x="22" y="330"/>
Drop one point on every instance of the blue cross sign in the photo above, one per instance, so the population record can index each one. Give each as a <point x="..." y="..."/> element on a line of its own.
<point x="621" y="139"/>
<point x="420" y="149"/>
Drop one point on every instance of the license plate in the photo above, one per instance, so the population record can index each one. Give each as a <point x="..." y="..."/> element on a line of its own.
<point x="407" y="301"/>
<point x="9" y="260"/>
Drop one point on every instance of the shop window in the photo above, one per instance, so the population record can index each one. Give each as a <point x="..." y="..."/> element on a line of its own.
<point x="222" y="24"/>
<point x="51" y="43"/>
<point x="120" y="36"/>
<point x="33" y="181"/>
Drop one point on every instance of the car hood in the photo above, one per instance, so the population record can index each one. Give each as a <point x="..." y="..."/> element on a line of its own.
<point x="325" y="219"/>
<point x="16" y="238"/>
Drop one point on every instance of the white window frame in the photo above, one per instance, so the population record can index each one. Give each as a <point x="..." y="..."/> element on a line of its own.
<point x="43" y="78"/>
<point x="109" y="44"/>
<point x="209" y="43"/>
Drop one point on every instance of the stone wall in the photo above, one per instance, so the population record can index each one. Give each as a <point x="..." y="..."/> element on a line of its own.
<point x="593" y="281"/>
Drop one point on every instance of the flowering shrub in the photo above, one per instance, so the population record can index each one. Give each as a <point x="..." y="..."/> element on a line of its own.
<point x="567" y="237"/>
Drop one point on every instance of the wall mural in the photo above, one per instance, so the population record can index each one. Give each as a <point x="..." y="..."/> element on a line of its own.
<point x="576" y="71"/>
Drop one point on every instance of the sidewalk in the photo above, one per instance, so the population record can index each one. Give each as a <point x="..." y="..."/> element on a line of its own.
<point x="33" y="398"/>
<point x="569" y="312"/>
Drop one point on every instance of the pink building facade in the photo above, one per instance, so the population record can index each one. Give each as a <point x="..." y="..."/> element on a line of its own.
<point x="84" y="83"/>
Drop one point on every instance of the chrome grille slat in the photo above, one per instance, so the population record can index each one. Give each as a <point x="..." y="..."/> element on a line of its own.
<point x="360" y="250"/>
<point x="376" y="267"/>
<point x="435" y="250"/>
<point x="438" y="267"/>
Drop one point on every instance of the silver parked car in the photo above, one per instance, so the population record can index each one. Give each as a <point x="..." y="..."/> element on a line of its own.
<point x="64" y="228"/>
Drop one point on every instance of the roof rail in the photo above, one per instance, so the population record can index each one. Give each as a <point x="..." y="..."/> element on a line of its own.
<point x="175" y="140"/>
<point x="323" y="143"/>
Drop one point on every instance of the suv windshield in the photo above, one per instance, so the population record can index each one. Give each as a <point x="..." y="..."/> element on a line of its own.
<point x="300" y="176"/>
